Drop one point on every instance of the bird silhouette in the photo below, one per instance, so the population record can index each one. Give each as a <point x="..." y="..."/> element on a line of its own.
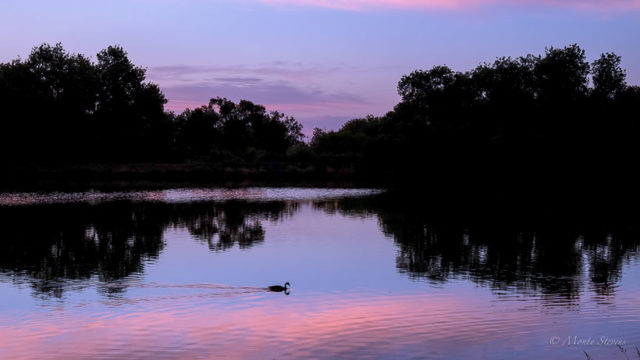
<point x="279" y="288"/>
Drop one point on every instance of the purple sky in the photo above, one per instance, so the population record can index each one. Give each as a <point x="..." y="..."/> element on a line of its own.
<point x="323" y="61"/>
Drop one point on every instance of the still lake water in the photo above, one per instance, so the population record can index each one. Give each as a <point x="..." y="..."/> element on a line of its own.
<point x="181" y="274"/>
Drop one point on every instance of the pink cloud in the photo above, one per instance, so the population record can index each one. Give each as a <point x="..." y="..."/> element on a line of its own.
<point x="315" y="106"/>
<point x="179" y="106"/>
<point x="311" y="107"/>
<point x="364" y="5"/>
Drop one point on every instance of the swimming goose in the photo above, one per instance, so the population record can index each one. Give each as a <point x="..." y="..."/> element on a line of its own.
<point x="278" y="288"/>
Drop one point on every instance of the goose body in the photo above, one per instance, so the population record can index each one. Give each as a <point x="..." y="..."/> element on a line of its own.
<point x="279" y="288"/>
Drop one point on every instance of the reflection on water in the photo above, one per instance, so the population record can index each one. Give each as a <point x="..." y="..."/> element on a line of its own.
<point x="184" y="274"/>
<point x="551" y="258"/>
<point x="48" y="244"/>
<point x="182" y="195"/>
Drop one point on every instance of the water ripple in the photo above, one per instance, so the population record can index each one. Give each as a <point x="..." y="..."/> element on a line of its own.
<point x="185" y="195"/>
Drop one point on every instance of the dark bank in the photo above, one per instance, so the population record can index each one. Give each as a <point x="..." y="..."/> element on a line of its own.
<point x="553" y="126"/>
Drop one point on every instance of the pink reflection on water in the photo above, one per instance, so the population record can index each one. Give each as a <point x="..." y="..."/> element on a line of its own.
<point x="263" y="325"/>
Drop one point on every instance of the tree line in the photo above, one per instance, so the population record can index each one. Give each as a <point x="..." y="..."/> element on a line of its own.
<point x="524" y="122"/>
<point x="532" y="120"/>
<point x="60" y="108"/>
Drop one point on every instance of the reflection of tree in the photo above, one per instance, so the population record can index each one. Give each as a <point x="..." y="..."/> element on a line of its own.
<point x="549" y="257"/>
<point x="47" y="244"/>
<point x="606" y="253"/>
<point x="240" y="222"/>
<point x="50" y="245"/>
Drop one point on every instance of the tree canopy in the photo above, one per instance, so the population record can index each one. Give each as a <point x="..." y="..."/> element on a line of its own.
<point x="61" y="108"/>
<point x="524" y="121"/>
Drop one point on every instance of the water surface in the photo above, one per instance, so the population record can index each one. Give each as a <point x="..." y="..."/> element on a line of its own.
<point x="181" y="274"/>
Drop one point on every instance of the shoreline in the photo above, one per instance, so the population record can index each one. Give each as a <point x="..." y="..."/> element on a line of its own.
<point x="163" y="175"/>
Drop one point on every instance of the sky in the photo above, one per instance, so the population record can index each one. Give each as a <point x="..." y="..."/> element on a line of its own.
<point x="322" y="61"/>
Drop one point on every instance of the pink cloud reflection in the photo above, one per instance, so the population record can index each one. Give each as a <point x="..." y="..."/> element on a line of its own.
<point x="330" y="325"/>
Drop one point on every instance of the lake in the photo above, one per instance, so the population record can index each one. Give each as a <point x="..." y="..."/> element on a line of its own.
<point x="183" y="274"/>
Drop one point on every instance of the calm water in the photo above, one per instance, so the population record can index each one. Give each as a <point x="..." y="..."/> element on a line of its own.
<point x="181" y="274"/>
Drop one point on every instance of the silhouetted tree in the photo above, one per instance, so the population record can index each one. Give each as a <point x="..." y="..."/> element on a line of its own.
<point x="526" y="124"/>
<point x="238" y="129"/>
<point x="47" y="100"/>
<point x="608" y="77"/>
<point x="530" y="124"/>
<point x="62" y="109"/>
<point x="199" y="132"/>
<point x="130" y="113"/>
<point x="562" y="74"/>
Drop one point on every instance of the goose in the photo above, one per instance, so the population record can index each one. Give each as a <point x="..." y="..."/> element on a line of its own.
<point x="278" y="288"/>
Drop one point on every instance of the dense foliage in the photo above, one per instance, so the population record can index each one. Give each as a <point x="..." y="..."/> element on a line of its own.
<point x="60" y="108"/>
<point x="552" y="120"/>
<point x="530" y="121"/>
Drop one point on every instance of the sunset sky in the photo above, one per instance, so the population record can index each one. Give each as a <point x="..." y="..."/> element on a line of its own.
<point x="323" y="61"/>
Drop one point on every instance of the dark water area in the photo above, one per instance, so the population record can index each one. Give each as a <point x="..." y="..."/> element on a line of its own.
<point x="183" y="274"/>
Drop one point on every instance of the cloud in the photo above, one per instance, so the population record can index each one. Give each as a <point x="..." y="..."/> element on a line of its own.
<point x="367" y="5"/>
<point x="263" y="92"/>
<point x="240" y="81"/>
<point x="276" y="70"/>
<point x="312" y="107"/>
<point x="327" y="122"/>
<point x="291" y="88"/>
<point x="315" y="95"/>
<point x="363" y="5"/>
